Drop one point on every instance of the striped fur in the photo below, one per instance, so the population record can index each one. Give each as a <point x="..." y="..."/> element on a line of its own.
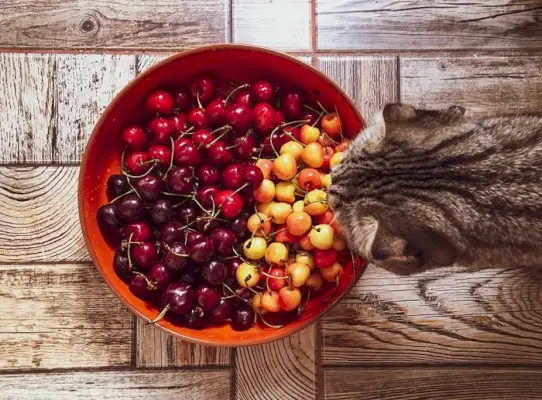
<point x="420" y="189"/>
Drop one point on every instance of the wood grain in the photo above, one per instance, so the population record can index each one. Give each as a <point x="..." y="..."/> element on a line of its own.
<point x="418" y="24"/>
<point x="442" y="316"/>
<point x="129" y="385"/>
<point x="371" y="82"/>
<point x="283" y="24"/>
<point x="433" y="383"/>
<point x="285" y="369"/>
<point x="156" y="348"/>
<point x="38" y="215"/>
<point x="61" y="316"/>
<point x="144" y="61"/>
<point x="482" y="84"/>
<point x="117" y="24"/>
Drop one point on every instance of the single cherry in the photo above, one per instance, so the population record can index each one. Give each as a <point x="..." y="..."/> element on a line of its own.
<point x="292" y="104"/>
<point x="144" y="254"/>
<point x="223" y="240"/>
<point x="116" y="186"/>
<point x="233" y="176"/>
<point x="139" y="286"/>
<point x="243" y="147"/>
<point x="222" y="311"/>
<point x="230" y="203"/>
<point x="162" y="211"/>
<point x="188" y="213"/>
<point x="207" y="297"/>
<point x="136" y="163"/>
<point x="149" y="187"/>
<point x="206" y="195"/>
<point x="253" y="176"/>
<point x="244" y="98"/>
<point x="263" y="91"/>
<point x="208" y="175"/>
<point x="182" y="100"/>
<point x="194" y="318"/>
<point x="218" y="153"/>
<point x="187" y="154"/>
<point x="179" y="297"/>
<point x="202" y="250"/>
<point x="196" y="117"/>
<point x="172" y="232"/>
<point x="121" y="265"/>
<point x="243" y="318"/>
<point x="202" y="137"/>
<point x="180" y="121"/>
<point x="175" y="256"/>
<point x="108" y="218"/>
<point x="129" y="206"/>
<point x="134" y="137"/>
<point x="138" y="231"/>
<point x="263" y="117"/>
<point x="161" y="154"/>
<point x="180" y="180"/>
<point x="215" y="112"/>
<point x="159" y="101"/>
<point x="239" y="117"/>
<point x="160" y="130"/>
<point x="193" y="236"/>
<point x="160" y="276"/>
<point x="233" y="264"/>
<point x="202" y="88"/>
<point x="214" y="273"/>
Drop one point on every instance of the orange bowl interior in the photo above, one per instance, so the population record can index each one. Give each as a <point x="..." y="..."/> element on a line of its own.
<point x="101" y="159"/>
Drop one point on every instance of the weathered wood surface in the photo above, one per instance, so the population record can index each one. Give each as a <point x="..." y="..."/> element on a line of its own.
<point x="116" y="24"/>
<point x="441" y="316"/>
<point x="484" y="85"/>
<point x="39" y="220"/>
<point x="61" y="316"/>
<point x="128" y="385"/>
<point x="419" y="24"/>
<point x="413" y="383"/>
<point x="285" y="369"/>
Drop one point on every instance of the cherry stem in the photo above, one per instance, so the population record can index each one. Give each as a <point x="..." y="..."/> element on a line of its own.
<point x="341" y="131"/>
<point x="184" y="133"/>
<point x="122" y="195"/>
<point x="233" y="292"/>
<point x="277" y="232"/>
<point x="139" y="176"/>
<point x="293" y="138"/>
<point x="225" y="128"/>
<point x="198" y="100"/>
<point x="241" y="188"/>
<point x="228" y="297"/>
<point x="273" y="146"/>
<point x="174" y="253"/>
<point x="130" y="265"/>
<point x="249" y="288"/>
<point x="171" y="158"/>
<point x="318" y="119"/>
<point x="273" y="277"/>
<point x="176" y="195"/>
<point x="268" y="324"/>
<point x="311" y="109"/>
<point x="322" y="107"/>
<point x="201" y="206"/>
<point x="160" y="316"/>
<point x="302" y="308"/>
<point x="329" y="137"/>
<point x="238" y="88"/>
<point x="334" y="290"/>
<point x="150" y="285"/>
<point x="240" y="256"/>
<point x="182" y="203"/>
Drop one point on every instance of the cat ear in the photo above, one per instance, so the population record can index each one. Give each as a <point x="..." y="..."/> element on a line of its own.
<point x="452" y="114"/>
<point x="390" y="251"/>
<point x="395" y="113"/>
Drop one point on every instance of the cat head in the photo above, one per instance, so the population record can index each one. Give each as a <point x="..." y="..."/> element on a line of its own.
<point x="389" y="229"/>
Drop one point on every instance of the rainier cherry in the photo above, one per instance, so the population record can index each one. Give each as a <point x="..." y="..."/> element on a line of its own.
<point x="276" y="253"/>
<point x="336" y="159"/>
<point x="278" y="281"/>
<point x="285" y="167"/>
<point x="331" y="273"/>
<point x="279" y="212"/>
<point x="270" y="301"/>
<point x="309" y="179"/>
<point x="298" y="274"/>
<point x="259" y="224"/>
<point x="321" y="237"/>
<point x="305" y="258"/>
<point x="331" y="124"/>
<point x="159" y="101"/>
<point x="292" y="147"/>
<point x="315" y="281"/>
<point x="134" y="137"/>
<point x="289" y="298"/>
<point x="266" y="166"/>
<point x="298" y="223"/>
<point x="316" y="202"/>
<point x="247" y="275"/>
<point x="313" y="155"/>
<point x="309" y="134"/>
<point x="285" y="192"/>
<point x="254" y="248"/>
<point x="265" y="192"/>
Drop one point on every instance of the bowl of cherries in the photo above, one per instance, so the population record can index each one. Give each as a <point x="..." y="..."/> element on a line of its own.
<point x="203" y="195"/>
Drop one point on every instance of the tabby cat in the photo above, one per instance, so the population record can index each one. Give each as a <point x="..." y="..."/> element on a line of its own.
<point x="422" y="188"/>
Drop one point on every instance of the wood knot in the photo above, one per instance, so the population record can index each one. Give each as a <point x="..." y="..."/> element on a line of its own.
<point x="89" y="25"/>
<point x="442" y="65"/>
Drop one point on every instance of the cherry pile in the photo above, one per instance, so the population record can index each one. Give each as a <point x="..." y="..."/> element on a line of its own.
<point x="219" y="214"/>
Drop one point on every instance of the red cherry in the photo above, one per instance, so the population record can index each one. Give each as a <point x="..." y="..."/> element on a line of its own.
<point x="277" y="283"/>
<point x="278" y="140"/>
<point x="239" y="117"/>
<point x="218" y="153"/>
<point x="328" y="153"/>
<point x="244" y="147"/>
<point x="180" y="123"/>
<point x="159" y="101"/>
<point x="253" y="175"/>
<point x="215" y="112"/>
<point x="196" y="117"/>
<point x="135" y="163"/>
<point x="182" y="100"/>
<point x="208" y="175"/>
<point x="134" y="137"/>
<point x="187" y="154"/>
<point x="233" y="176"/>
<point x="144" y="254"/>
<point x="180" y="180"/>
<point x="263" y="91"/>
<point x="244" y="98"/>
<point x="324" y="258"/>
<point x="161" y="129"/>
<point x="310" y="117"/>
<point x="162" y="154"/>
<point x="202" y="87"/>
<point x="263" y="117"/>
<point x="230" y="203"/>
<point x="279" y="117"/>
<point x="193" y="236"/>
<point x="290" y="132"/>
<point x="202" y="137"/>
<point x="292" y="104"/>
<point x="205" y="194"/>
<point x="139" y="231"/>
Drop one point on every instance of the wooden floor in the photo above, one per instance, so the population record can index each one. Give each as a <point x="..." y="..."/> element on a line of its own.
<point x="447" y="334"/>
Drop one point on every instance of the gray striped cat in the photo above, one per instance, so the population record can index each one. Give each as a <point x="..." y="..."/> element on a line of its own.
<point x="421" y="189"/>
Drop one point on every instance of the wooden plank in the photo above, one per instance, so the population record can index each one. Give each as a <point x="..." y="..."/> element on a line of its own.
<point x="38" y="215"/>
<point x="371" y="82"/>
<point x="61" y="316"/>
<point x="105" y="24"/>
<point x="281" y="370"/>
<point x="481" y="84"/>
<point x="28" y="126"/>
<point x="144" y="61"/>
<point x="283" y="24"/>
<point x="448" y="315"/>
<point x="86" y="85"/>
<point x="438" y="25"/>
<point x="156" y="348"/>
<point x="432" y="383"/>
<point x="128" y="385"/>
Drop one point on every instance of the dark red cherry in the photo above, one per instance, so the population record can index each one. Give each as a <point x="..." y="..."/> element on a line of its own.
<point x="187" y="155"/>
<point x="129" y="206"/>
<point x="206" y="223"/>
<point x="253" y="175"/>
<point x="182" y="100"/>
<point x="138" y="231"/>
<point x="193" y="236"/>
<point x="160" y="130"/>
<point x="160" y="276"/>
<point x="208" y="175"/>
<point x="214" y="273"/>
<point x="108" y="218"/>
<point x="162" y="211"/>
<point x="239" y="117"/>
<point x="136" y="163"/>
<point x="134" y="137"/>
<point x="188" y="213"/>
<point x="291" y="131"/>
<point x="222" y="311"/>
<point x="243" y="147"/>
<point x="202" y="88"/>
<point x="180" y="122"/>
<point x="144" y="255"/>
<point x="202" y="137"/>
<point x="230" y="203"/>
<point x="172" y="232"/>
<point x="196" y="117"/>
<point x="276" y="139"/>
<point x="202" y="250"/>
<point x="139" y="286"/>
<point x="244" y="98"/>
<point x="248" y="200"/>
<point x="279" y="117"/>
<point x="180" y="296"/>
<point x="207" y="297"/>
<point x="121" y="265"/>
<point x="218" y="153"/>
<point x="223" y="240"/>
<point x="233" y="264"/>
<point x="159" y="101"/>
<point x="174" y="256"/>
<point x="190" y="275"/>
<point x="205" y="194"/>
<point x="194" y="318"/>
<point x="161" y="154"/>
<point x="215" y="112"/>
<point x="233" y="176"/>
<point x="309" y="117"/>
<point x="239" y="226"/>
<point x="292" y="105"/>
<point x="263" y="91"/>
<point x="116" y="186"/>
<point x="149" y="187"/>
<point x="243" y="318"/>
<point x="180" y="180"/>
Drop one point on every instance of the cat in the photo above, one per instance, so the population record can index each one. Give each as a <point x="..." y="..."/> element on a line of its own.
<point x="420" y="189"/>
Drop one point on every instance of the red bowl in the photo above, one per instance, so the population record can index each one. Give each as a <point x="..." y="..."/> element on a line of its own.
<point x="101" y="159"/>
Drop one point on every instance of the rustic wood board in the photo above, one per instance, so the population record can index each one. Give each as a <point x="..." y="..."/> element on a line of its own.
<point x="371" y="82"/>
<point x="282" y="24"/>
<point x="129" y="385"/>
<point x="484" y="85"/>
<point x="441" y="316"/>
<point x="437" y="25"/>
<point x="39" y="220"/>
<point x="414" y="383"/>
<point x="116" y="24"/>
<point x="61" y="316"/>
<point x="285" y="369"/>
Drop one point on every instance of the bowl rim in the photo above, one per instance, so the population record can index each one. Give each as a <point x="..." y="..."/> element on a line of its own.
<point x="98" y="127"/>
